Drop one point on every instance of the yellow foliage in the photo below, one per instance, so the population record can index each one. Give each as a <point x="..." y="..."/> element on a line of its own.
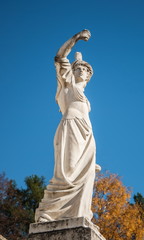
<point x="116" y="217"/>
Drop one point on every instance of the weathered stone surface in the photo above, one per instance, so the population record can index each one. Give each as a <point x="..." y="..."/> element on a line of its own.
<point x="69" y="229"/>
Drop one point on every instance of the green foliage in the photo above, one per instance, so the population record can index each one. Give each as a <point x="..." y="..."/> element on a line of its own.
<point x="139" y="201"/>
<point x="33" y="193"/>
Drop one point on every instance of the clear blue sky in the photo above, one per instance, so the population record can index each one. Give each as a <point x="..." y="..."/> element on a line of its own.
<point x="31" y="31"/>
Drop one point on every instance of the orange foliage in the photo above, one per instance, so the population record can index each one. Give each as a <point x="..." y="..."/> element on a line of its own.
<point x="116" y="217"/>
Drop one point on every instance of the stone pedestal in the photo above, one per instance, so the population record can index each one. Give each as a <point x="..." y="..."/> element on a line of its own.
<point x="69" y="229"/>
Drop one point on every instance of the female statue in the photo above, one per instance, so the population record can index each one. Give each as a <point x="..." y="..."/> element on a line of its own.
<point x="69" y="192"/>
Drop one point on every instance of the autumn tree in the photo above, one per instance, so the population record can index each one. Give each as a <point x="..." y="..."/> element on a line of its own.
<point x="116" y="217"/>
<point x="13" y="218"/>
<point x="17" y="206"/>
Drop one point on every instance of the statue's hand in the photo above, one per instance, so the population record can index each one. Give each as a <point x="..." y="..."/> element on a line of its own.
<point x="85" y="35"/>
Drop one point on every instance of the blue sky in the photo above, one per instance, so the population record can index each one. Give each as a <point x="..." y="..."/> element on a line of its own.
<point x="31" y="32"/>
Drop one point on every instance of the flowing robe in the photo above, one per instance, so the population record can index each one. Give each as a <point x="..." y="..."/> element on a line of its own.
<point x="69" y="193"/>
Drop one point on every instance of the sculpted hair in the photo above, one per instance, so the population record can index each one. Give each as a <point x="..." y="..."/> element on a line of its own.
<point x="89" y="68"/>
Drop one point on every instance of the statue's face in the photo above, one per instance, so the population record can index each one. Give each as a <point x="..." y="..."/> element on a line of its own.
<point x="80" y="72"/>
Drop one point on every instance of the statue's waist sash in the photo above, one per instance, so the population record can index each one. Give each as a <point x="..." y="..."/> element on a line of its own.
<point x="72" y="113"/>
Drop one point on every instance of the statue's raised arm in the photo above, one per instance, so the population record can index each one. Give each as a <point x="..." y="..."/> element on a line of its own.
<point x="67" y="46"/>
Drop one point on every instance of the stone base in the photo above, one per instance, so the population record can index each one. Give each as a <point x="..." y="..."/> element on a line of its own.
<point x="69" y="229"/>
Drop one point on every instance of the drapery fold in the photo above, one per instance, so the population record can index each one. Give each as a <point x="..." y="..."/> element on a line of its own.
<point x="69" y="192"/>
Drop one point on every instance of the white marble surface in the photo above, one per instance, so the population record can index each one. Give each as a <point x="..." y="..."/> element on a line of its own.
<point x="69" y="193"/>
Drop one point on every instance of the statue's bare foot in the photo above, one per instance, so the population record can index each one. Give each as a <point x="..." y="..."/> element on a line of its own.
<point x="41" y="219"/>
<point x="45" y="218"/>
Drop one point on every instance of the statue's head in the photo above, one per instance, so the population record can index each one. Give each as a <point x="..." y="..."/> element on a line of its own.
<point x="81" y="68"/>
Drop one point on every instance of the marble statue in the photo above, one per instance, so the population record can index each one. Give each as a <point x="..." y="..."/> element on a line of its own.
<point x="69" y="193"/>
